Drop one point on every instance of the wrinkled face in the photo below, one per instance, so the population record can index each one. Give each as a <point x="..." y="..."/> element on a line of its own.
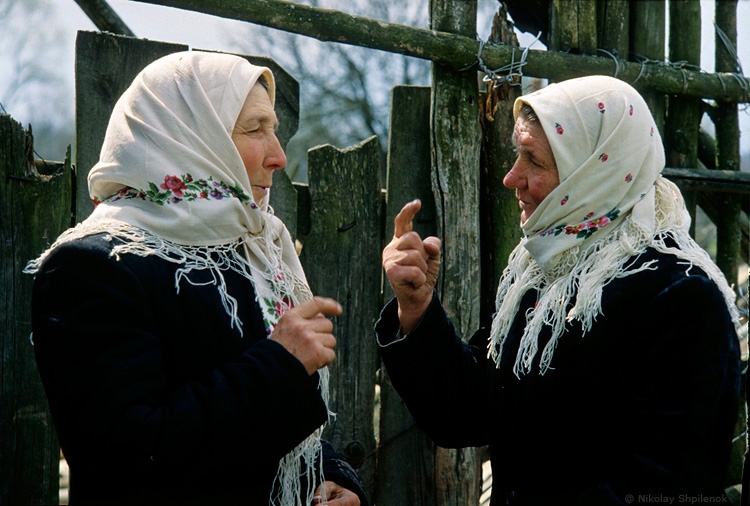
<point x="255" y="137"/>
<point x="534" y="175"/>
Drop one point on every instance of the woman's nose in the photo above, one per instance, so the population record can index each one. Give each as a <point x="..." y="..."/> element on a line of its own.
<point x="276" y="158"/>
<point x="513" y="179"/>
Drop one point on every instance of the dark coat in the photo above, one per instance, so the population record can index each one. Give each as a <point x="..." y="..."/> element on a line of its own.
<point x="156" y="400"/>
<point x="641" y="407"/>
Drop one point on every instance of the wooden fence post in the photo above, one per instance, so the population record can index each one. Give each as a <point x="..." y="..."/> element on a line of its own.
<point x="684" y="113"/>
<point x="456" y="148"/>
<point x="341" y="256"/>
<point x="500" y="216"/>
<point x="728" y="231"/>
<point x="34" y="209"/>
<point x="406" y="456"/>
<point x="647" y="29"/>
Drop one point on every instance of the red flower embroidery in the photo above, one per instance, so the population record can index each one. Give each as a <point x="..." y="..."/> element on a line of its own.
<point x="629" y="177"/>
<point x="559" y="129"/>
<point x="604" y="157"/>
<point x="564" y="200"/>
<point x="601" y="107"/>
<point x="631" y="110"/>
<point x="174" y="184"/>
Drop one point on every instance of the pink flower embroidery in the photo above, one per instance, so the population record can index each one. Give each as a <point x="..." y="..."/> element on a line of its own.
<point x="631" y="110"/>
<point x="599" y="222"/>
<point x="629" y="177"/>
<point x="174" y="184"/>
<point x="604" y="157"/>
<point x="559" y="129"/>
<point x="652" y="131"/>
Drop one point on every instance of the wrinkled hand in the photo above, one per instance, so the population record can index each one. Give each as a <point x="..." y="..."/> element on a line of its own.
<point x="335" y="495"/>
<point x="412" y="267"/>
<point x="307" y="334"/>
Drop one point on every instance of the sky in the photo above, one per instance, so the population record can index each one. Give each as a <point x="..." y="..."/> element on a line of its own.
<point x="64" y="18"/>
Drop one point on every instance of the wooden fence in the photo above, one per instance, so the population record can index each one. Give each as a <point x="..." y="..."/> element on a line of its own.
<point x="343" y="219"/>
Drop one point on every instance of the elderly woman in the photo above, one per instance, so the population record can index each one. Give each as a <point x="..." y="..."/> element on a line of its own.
<point x="182" y="352"/>
<point x="610" y="371"/>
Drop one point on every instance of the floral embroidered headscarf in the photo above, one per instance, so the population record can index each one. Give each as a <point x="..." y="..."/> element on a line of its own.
<point x="611" y="204"/>
<point x="170" y="182"/>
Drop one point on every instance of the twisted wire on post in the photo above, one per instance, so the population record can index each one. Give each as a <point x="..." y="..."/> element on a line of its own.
<point x="514" y="69"/>
<point x="738" y="74"/>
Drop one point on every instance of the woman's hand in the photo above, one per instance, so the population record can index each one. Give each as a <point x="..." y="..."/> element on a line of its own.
<point x="307" y="334"/>
<point x="335" y="495"/>
<point x="412" y="267"/>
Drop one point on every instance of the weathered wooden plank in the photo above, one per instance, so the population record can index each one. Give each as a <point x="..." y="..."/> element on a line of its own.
<point x="647" y="38"/>
<point x="613" y="27"/>
<point x="724" y="181"/>
<point x="405" y="453"/>
<point x="573" y="26"/>
<point x="106" y="64"/>
<point x="684" y="113"/>
<point x="728" y="229"/>
<point x="455" y="51"/>
<point x="499" y="213"/>
<point x="341" y="256"/>
<point x="456" y="147"/>
<point x="34" y="209"/>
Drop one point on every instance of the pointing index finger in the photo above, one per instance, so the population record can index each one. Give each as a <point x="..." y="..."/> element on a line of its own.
<point x="403" y="220"/>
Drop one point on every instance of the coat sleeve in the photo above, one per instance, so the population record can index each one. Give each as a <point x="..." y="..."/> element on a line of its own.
<point x="111" y="394"/>
<point x="441" y="379"/>
<point x="337" y="469"/>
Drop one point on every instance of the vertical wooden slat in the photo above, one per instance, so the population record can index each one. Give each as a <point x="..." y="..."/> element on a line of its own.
<point x="456" y="146"/>
<point x="727" y="144"/>
<point x="573" y="26"/>
<point x="106" y="64"/>
<point x="406" y="455"/>
<point x="500" y="215"/>
<point x="728" y="231"/>
<point x="33" y="211"/>
<point x="341" y="257"/>
<point x="684" y="113"/>
<point x="647" y="37"/>
<point x="613" y="27"/>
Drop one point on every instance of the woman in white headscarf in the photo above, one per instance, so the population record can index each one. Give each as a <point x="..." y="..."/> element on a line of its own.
<point x="182" y="352"/>
<point x="610" y="371"/>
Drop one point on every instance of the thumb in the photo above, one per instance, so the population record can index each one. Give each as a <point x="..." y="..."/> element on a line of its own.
<point x="318" y="305"/>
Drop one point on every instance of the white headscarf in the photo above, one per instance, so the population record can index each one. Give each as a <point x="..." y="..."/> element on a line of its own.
<point x="611" y="204"/>
<point x="170" y="182"/>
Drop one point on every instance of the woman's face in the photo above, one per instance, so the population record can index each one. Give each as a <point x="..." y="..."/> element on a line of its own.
<point x="534" y="175"/>
<point x="255" y="137"/>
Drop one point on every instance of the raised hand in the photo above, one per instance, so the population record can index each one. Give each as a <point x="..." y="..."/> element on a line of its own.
<point x="307" y="334"/>
<point x="411" y="265"/>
